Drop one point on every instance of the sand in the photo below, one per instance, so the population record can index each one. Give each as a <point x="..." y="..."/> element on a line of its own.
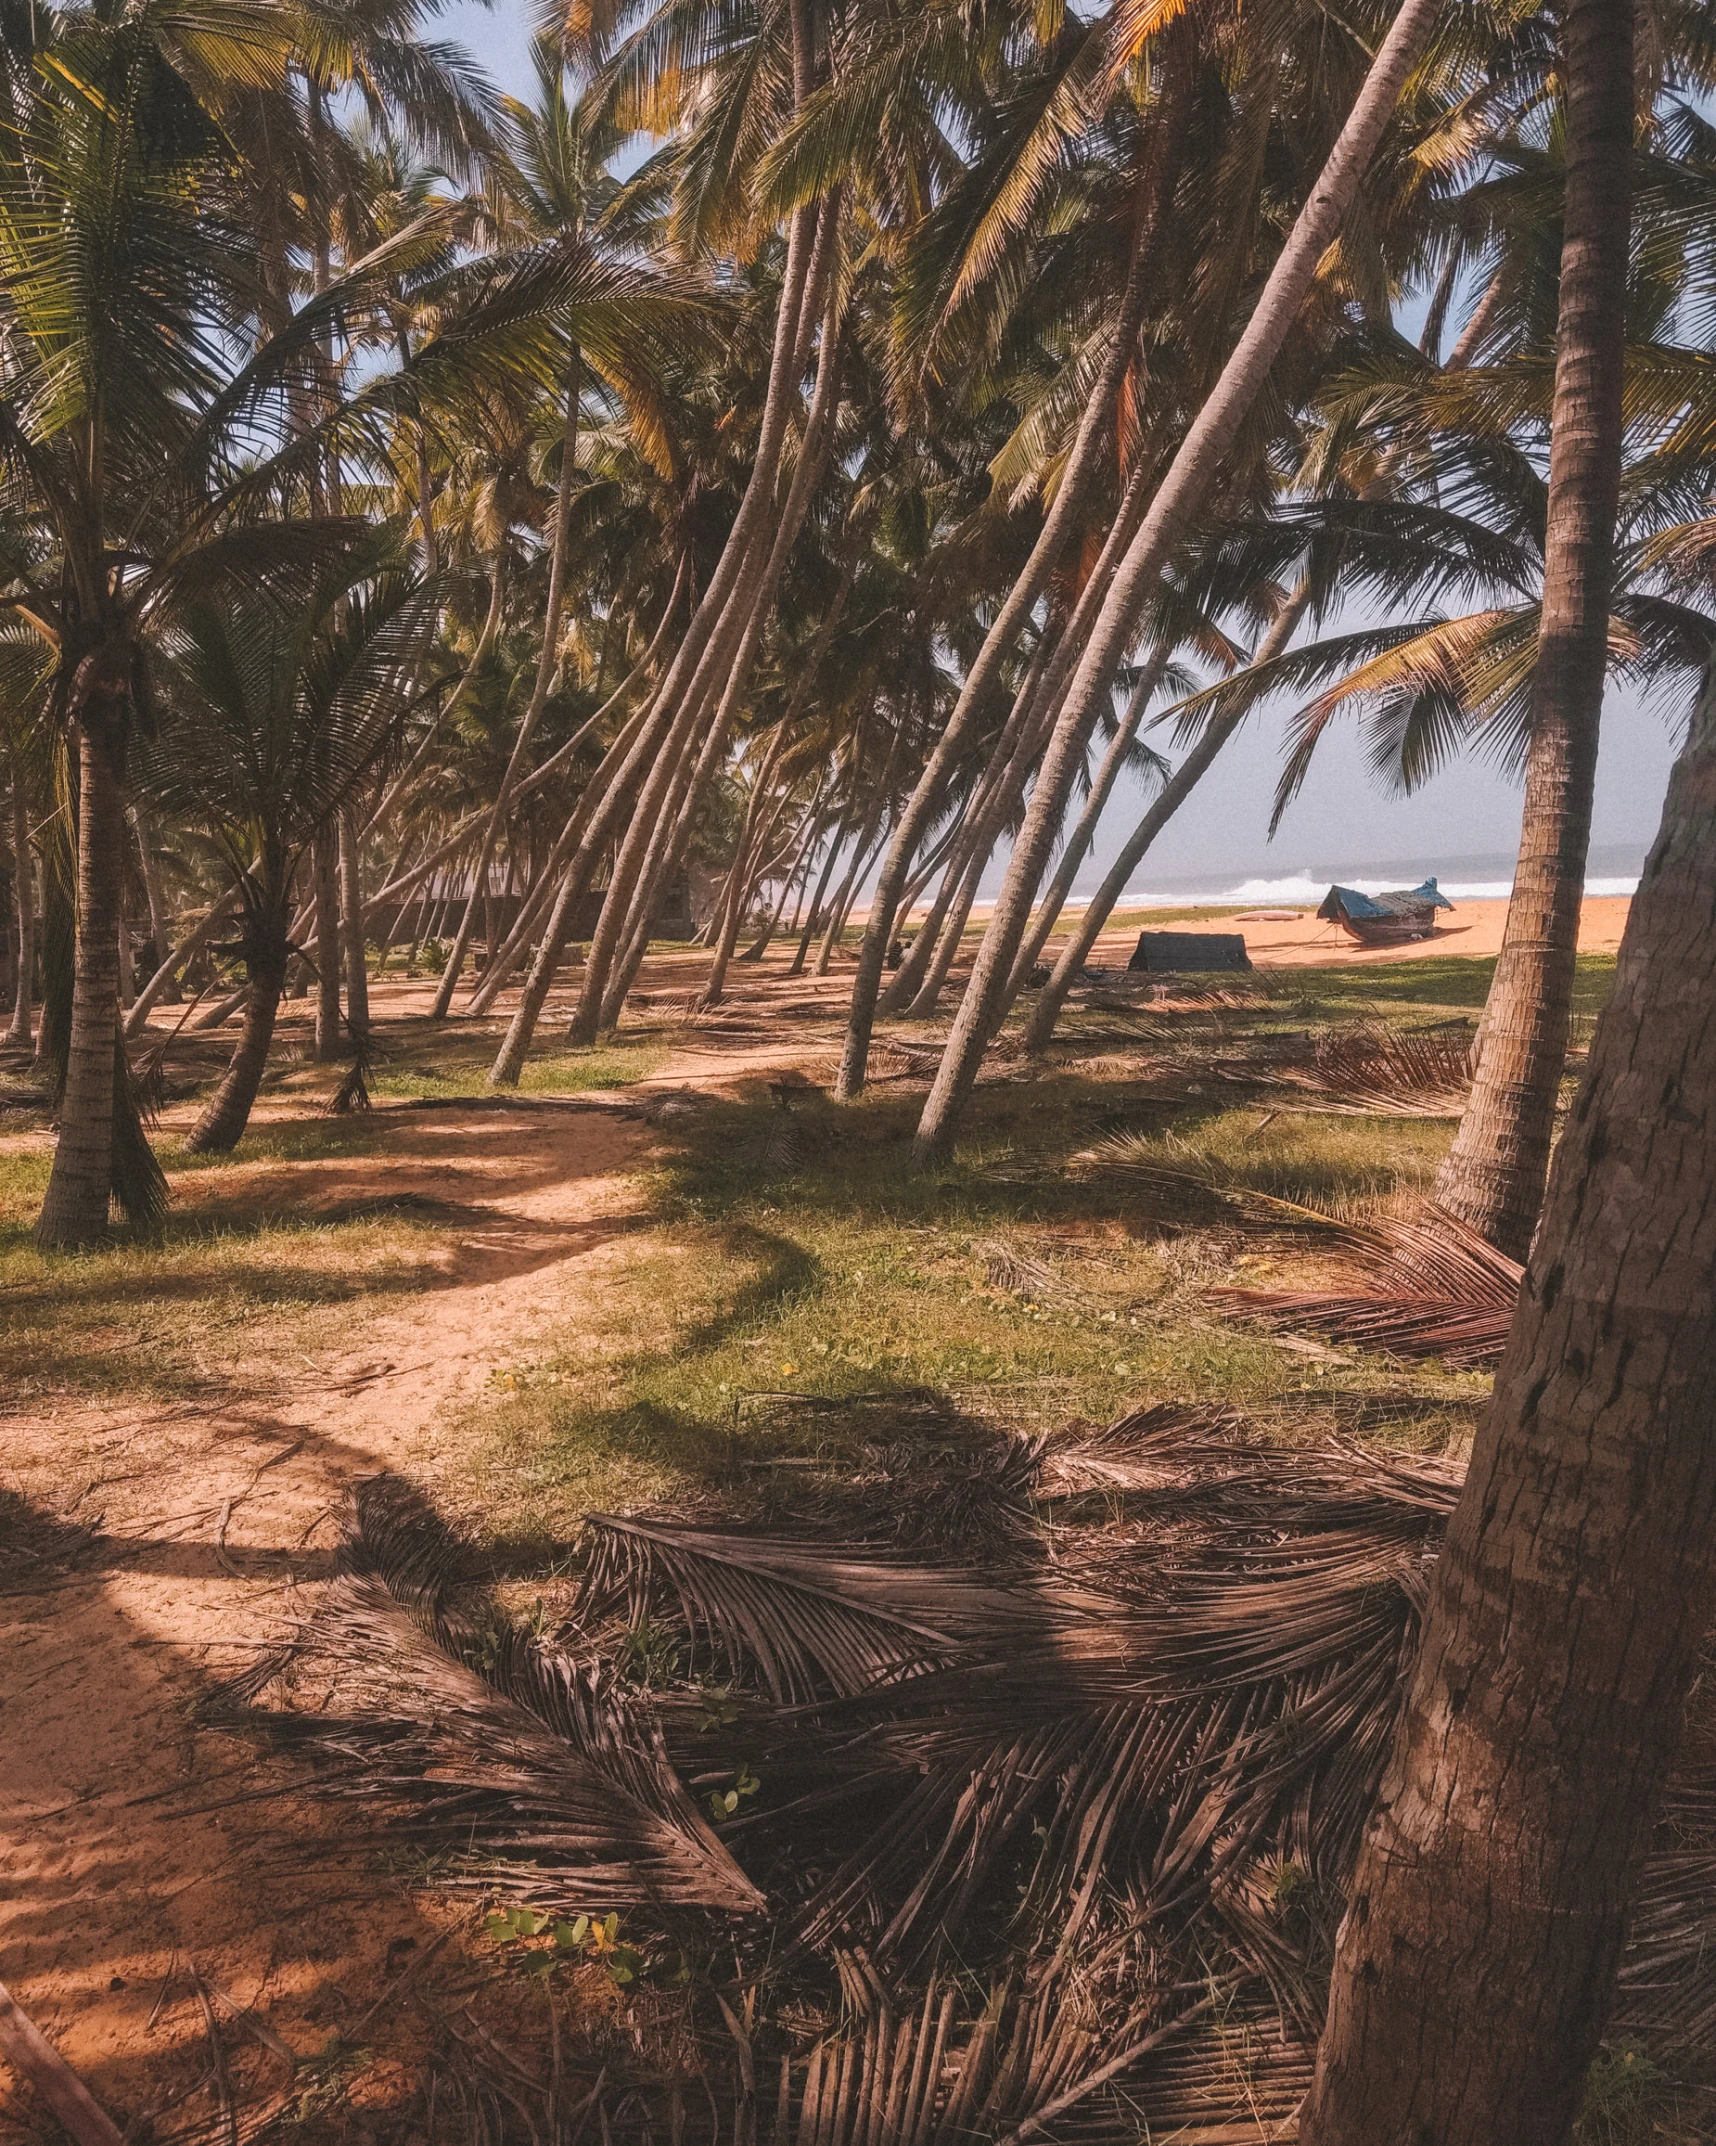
<point x="1473" y="928"/>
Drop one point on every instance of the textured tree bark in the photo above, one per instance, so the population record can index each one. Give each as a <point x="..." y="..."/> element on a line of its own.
<point x="352" y="931"/>
<point x="1072" y="502"/>
<point x="325" y="859"/>
<point x="23" y="908"/>
<point x="1569" y="1607"/>
<point x="1494" y="1173"/>
<point x="76" y="1207"/>
<point x="221" y="1125"/>
<point x="1178" y="498"/>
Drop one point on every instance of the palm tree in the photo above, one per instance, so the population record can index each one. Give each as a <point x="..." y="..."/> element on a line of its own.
<point x="275" y="716"/>
<point x="1189" y="478"/>
<point x="1494" y="1174"/>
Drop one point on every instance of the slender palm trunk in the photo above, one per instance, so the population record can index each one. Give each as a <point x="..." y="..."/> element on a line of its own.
<point x="836" y="845"/>
<point x="545" y="666"/>
<point x="352" y="930"/>
<point x="1072" y="502"/>
<point x="1190" y="477"/>
<point x="23" y="907"/>
<point x="1077" y="845"/>
<point x="1572" y="1600"/>
<point x="76" y="1207"/>
<point x="221" y="1126"/>
<point x="325" y="859"/>
<point x="1494" y="1174"/>
<point x="758" y="558"/>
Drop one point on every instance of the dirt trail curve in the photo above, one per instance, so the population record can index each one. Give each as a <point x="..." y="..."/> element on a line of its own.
<point x="144" y="1552"/>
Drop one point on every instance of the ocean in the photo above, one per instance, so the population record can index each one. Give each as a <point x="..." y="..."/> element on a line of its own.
<point x="1613" y="868"/>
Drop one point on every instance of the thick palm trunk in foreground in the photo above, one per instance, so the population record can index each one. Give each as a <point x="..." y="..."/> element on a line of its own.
<point x="75" y="1209"/>
<point x="1571" y="1601"/>
<point x="1193" y="472"/>
<point x="1494" y="1173"/>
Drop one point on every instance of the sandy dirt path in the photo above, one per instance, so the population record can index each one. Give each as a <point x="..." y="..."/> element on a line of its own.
<point x="149" y="1553"/>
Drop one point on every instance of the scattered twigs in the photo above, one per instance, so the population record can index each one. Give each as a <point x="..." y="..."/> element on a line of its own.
<point x="27" y="2049"/>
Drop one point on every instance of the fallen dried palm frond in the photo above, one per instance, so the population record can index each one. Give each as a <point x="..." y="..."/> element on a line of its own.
<point x="1194" y="1190"/>
<point x="1380" y="1072"/>
<point x="486" y="1743"/>
<point x="1058" y="1851"/>
<point x="1433" y="1288"/>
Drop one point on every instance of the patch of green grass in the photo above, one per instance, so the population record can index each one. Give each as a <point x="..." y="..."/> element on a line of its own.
<point x="852" y="1273"/>
<point x="224" y="1284"/>
<point x="450" y="1067"/>
<point x="1448" y="980"/>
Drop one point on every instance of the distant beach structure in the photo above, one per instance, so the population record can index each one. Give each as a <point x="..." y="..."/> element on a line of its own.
<point x="1389" y="919"/>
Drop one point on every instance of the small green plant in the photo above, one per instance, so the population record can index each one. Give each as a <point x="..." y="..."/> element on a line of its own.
<point x="545" y="1943"/>
<point x="649" y="1655"/>
<point x="720" y="1708"/>
<point x="723" y="1802"/>
<point x="1625" y="2093"/>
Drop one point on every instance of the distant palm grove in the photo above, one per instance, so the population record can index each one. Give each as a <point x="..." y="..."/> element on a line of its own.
<point x="819" y="447"/>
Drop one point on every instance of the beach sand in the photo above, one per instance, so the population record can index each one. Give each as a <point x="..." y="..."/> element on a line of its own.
<point x="1472" y="928"/>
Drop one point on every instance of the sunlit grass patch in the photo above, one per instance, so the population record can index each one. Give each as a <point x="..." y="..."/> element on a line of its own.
<point x="1007" y="1288"/>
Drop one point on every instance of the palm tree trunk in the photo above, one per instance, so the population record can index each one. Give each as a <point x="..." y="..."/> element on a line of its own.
<point x="1077" y="845"/>
<point x="325" y="859"/>
<point x="1494" y="1173"/>
<point x="1571" y="1603"/>
<point x="759" y="559"/>
<point x="1072" y="502"/>
<point x="23" y="907"/>
<point x="838" y="843"/>
<point x="221" y="1126"/>
<point x="352" y="924"/>
<point x="1172" y="795"/>
<point x="76" y="1207"/>
<point x="1190" y="477"/>
<point x="545" y="665"/>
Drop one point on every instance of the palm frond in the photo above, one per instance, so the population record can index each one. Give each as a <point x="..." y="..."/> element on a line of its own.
<point x="492" y="1744"/>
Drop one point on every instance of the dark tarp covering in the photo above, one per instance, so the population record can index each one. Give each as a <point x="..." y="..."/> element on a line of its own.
<point x="1160" y="952"/>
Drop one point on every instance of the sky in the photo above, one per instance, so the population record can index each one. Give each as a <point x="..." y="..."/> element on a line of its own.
<point x="1341" y="820"/>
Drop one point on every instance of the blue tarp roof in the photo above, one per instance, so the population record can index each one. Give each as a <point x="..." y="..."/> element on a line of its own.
<point x="1348" y="901"/>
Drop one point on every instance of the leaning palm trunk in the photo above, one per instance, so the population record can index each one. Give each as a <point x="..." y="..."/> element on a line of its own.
<point x="23" y="908"/>
<point x="76" y="1207"/>
<point x="1494" y="1174"/>
<point x="545" y="667"/>
<point x="574" y="857"/>
<point x="1072" y="502"/>
<point x="542" y="888"/>
<point x="268" y="953"/>
<point x="729" y="654"/>
<point x="1077" y="845"/>
<point x="1191" y="475"/>
<point x="742" y="880"/>
<point x="1168" y="801"/>
<point x="193" y="942"/>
